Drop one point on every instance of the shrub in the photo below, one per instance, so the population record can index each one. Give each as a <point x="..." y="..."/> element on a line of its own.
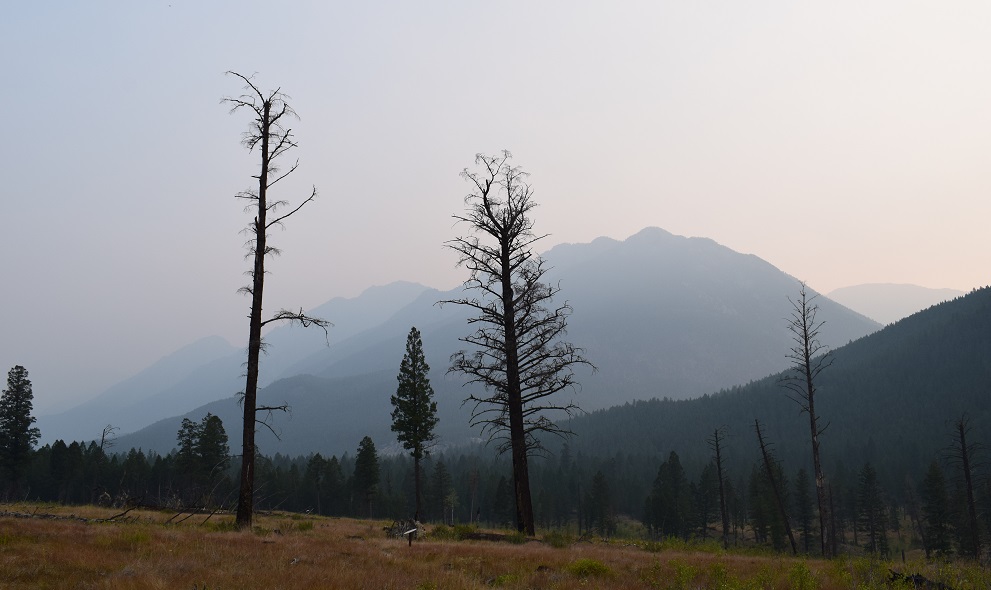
<point x="558" y="540"/>
<point x="800" y="577"/>
<point x="585" y="568"/>
<point x="684" y="574"/>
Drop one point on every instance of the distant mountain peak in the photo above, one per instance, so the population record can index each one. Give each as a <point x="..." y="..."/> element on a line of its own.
<point x="889" y="302"/>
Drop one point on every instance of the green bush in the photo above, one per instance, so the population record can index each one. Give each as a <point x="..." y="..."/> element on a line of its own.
<point x="684" y="574"/>
<point x="586" y="568"/>
<point x="800" y="577"/>
<point x="558" y="540"/>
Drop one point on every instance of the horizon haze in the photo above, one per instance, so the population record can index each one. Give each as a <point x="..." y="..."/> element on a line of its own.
<point x="843" y="143"/>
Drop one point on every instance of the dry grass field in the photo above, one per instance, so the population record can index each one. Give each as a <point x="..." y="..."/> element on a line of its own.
<point x="72" y="548"/>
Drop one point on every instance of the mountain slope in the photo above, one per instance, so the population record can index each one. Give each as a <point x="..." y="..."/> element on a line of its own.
<point x="664" y="315"/>
<point x="887" y="302"/>
<point x="658" y="314"/>
<point x="212" y="369"/>
<point x="173" y="380"/>
<point x="888" y="398"/>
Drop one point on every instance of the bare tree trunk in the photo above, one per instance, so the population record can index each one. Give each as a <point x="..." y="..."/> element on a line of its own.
<point x="519" y="358"/>
<point x="820" y="479"/>
<point x="809" y="358"/>
<point x="769" y="469"/>
<point x="715" y="443"/>
<point x="965" y="465"/>
<point x="245" y="499"/>
<point x="266" y="133"/>
<point x="416" y="485"/>
<point x="517" y="433"/>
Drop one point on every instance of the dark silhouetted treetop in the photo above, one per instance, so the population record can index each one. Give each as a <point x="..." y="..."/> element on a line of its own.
<point x="414" y="413"/>
<point x="516" y="353"/>
<point x="17" y="435"/>
<point x="269" y="134"/>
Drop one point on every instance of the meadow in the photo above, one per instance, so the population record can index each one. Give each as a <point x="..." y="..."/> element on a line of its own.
<point x="53" y="546"/>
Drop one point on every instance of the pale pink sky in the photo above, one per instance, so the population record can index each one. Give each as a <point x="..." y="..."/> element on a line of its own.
<point x="844" y="142"/>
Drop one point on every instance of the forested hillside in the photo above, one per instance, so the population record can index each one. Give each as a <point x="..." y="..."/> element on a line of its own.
<point x="889" y="398"/>
<point x="891" y="401"/>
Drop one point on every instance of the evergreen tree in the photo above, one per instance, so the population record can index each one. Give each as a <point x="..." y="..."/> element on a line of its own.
<point x="440" y="489"/>
<point x="366" y="474"/>
<point x="17" y="436"/>
<point x="669" y="505"/>
<point x="502" y="503"/>
<point x="312" y="483"/>
<point x="186" y="461"/>
<point x="872" y="518"/>
<point x="599" y="506"/>
<point x="935" y="512"/>
<point x="766" y="517"/>
<point x="202" y="457"/>
<point x="706" y="496"/>
<point x="211" y="447"/>
<point x="414" y="413"/>
<point x="333" y="487"/>
<point x="804" y="511"/>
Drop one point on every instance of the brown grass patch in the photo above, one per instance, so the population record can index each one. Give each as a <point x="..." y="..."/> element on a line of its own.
<point x="286" y="551"/>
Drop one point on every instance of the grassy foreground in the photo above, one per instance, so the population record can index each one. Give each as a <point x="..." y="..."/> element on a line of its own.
<point x="144" y="550"/>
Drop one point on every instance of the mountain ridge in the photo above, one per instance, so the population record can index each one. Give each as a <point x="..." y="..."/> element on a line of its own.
<point x="659" y="314"/>
<point x="887" y="303"/>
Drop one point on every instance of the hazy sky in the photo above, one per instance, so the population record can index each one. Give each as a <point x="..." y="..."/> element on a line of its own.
<point x="844" y="142"/>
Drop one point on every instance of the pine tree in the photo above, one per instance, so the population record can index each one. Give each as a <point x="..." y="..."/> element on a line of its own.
<point x="366" y="473"/>
<point x="706" y="496"/>
<point x="187" y="465"/>
<point x="600" y="510"/>
<point x="809" y="358"/>
<point x="516" y="351"/>
<point x="502" y="503"/>
<point x="668" y="508"/>
<point x="936" y="512"/>
<point x="17" y="436"/>
<point x="269" y="134"/>
<point x="414" y="413"/>
<point x="440" y="489"/>
<point x="872" y="518"/>
<point x="212" y="448"/>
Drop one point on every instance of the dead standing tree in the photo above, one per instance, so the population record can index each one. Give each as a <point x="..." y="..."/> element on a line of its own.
<point x="962" y="454"/>
<point x="809" y="358"/>
<point x="715" y="443"/>
<point x="268" y="134"/>
<point x="517" y="353"/>
<point x="770" y="467"/>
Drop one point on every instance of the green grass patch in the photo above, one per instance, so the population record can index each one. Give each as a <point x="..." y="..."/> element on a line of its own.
<point x="504" y="580"/>
<point x="587" y="568"/>
<point x="225" y="525"/>
<point x="558" y="540"/>
<point x="800" y="577"/>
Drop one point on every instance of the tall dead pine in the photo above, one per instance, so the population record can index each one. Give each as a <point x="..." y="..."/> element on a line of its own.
<point x="962" y="453"/>
<point x="809" y="358"/>
<point x="775" y="487"/>
<point x="268" y="134"/>
<point x="715" y="443"/>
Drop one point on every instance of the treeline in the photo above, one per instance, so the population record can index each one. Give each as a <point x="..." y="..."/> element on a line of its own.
<point x="631" y="495"/>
